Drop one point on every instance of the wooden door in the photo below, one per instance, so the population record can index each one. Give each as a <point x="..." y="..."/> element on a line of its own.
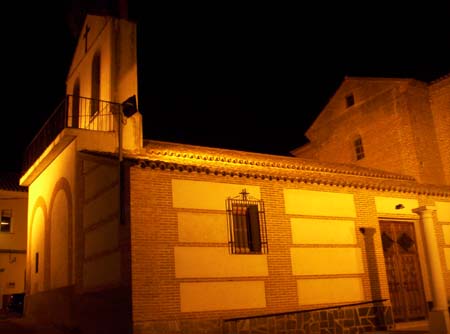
<point x="403" y="270"/>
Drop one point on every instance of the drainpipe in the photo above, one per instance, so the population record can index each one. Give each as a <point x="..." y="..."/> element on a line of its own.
<point x="120" y="158"/>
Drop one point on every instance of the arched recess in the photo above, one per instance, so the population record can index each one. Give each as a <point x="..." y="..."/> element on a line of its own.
<point x="61" y="235"/>
<point x="36" y="249"/>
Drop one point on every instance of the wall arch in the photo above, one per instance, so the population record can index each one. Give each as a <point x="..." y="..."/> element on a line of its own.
<point x="60" y="221"/>
<point x="37" y="244"/>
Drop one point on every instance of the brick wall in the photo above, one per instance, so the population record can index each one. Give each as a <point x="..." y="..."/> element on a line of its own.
<point x="425" y="144"/>
<point x="377" y="110"/>
<point x="156" y="290"/>
<point x="440" y="108"/>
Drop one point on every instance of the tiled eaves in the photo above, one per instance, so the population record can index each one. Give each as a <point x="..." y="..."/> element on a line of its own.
<point x="306" y="177"/>
<point x="166" y="156"/>
<point x="299" y="176"/>
<point x="191" y="154"/>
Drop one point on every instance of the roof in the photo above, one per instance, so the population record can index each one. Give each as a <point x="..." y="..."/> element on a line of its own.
<point x="387" y="79"/>
<point x="250" y="160"/>
<point x="442" y="78"/>
<point x="10" y="181"/>
<point x="198" y="159"/>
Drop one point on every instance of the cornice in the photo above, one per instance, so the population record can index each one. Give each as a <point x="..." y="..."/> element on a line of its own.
<point x="298" y="176"/>
<point x="193" y="154"/>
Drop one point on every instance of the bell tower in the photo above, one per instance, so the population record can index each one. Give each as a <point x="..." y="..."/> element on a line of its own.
<point x="102" y="79"/>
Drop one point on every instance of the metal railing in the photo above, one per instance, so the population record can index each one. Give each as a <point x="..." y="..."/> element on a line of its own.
<point x="73" y="112"/>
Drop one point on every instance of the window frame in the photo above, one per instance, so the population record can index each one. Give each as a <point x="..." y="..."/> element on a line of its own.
<point x="358" y="148"/>
<point x="95" y="84"/>
<point x="6" y="220"/>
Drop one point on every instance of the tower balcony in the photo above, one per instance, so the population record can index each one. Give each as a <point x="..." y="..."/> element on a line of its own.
<point x="74" y="117"/>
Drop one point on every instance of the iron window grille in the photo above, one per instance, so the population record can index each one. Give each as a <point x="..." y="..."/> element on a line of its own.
<point x="246" y="220"/>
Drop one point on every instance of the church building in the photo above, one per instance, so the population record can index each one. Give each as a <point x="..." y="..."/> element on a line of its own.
<point x="129" y="235"/>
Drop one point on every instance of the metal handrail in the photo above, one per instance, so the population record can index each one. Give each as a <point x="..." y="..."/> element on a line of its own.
<point x="72" y="112"/>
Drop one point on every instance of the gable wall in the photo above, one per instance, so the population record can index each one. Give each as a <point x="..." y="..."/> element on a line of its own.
<point x="395" y="124"/>
<point x="368" y="118"/>
<point x="99" y="39"/>
<point x="115" y="39"/>
<point x="336" y="107"/>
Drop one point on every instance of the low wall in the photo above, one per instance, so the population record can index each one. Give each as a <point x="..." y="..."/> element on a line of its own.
<point x="345" y="319"/>
<point x="358" y="318"/>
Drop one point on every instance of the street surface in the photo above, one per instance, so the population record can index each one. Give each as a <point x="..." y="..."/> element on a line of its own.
<point x="16" y="325"/>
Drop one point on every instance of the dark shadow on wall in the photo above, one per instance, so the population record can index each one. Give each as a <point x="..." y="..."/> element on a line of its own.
<point x="372" y="268"/>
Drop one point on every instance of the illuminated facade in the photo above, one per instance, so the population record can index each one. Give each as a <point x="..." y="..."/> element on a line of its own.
<point x="13" y="236"/>
<point x="129" y="235"/>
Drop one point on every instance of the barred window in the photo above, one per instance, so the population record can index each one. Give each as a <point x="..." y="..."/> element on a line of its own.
<point x="246" y="225"/>
<point x="5" y="222"/>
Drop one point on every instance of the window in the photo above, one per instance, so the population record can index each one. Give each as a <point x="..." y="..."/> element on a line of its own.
<point x="5" y="223"/>
<point x="76" y="104"/>
<point x="359" y="149"/>
<point x="246" y="225"/>
<point x="36" y="269"/>
<point x="349" y="100"/>
<point x="95" y="85"/>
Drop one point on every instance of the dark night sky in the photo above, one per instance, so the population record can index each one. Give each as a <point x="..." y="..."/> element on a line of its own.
<point x="242" y="77"/>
